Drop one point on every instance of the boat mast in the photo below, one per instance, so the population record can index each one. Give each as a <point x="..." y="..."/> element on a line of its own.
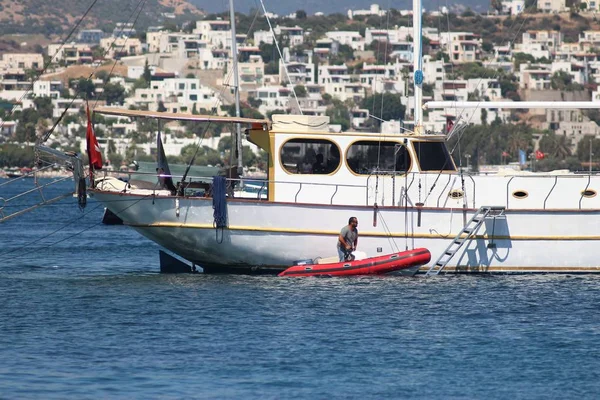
<point x="234" y="56"/>
<point x="417" y="65"/>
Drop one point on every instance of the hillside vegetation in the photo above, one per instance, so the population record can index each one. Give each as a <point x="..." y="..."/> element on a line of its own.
<point x="53" y="18"/>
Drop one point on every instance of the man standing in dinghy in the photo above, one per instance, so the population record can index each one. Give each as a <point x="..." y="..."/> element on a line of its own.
<point x="348" y="240"/>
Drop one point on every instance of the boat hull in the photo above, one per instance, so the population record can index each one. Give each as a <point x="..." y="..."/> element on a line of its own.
<point x="369" y="266"/>
<point x="266" y="237"/>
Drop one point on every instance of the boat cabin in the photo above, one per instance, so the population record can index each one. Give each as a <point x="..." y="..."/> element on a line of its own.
<point x="310" y="164"/>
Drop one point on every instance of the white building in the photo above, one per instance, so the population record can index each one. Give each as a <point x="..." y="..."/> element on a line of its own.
<point x="373" y="10"/>
<point x="333" y="78"/>
<point x="592" y="5"/>
<point x="348" y="38"/>
<point x="470" y="89"/>
<point x="552" y="6"/>
<point x="216" y="32"/>
<point x="540" y="44"/>
<point x="433" y="70"/>
<point x="21" y="60"/>
<point x="272" y="98"/>
<point x="382" y="78"/>
<point x="589" y="41"/>
<point x="513" y="7"/>
<point x="251" y="73"/>
<point x="47" y="89"/>
<point x="176" y="94"/>
<point x="462" y="47"/>
<point x="535" y="76"/>
<point x="116" y="48"/>
<point x="577" y="72"/>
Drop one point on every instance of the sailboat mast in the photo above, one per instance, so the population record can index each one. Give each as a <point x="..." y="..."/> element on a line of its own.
<point x="417" y="66"/>
<point x="234" y="57"/>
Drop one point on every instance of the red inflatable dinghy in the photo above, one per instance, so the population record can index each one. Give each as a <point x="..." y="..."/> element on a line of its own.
<point x="368" y="266"/>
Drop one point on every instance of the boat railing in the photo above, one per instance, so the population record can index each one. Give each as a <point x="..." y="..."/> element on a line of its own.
<point x="17" y="208"/>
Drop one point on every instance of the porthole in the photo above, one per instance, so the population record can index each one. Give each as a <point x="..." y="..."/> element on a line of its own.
<point x="456" y="194"/>
<point x="520" y="194"/>
<point x="589" y="193"/>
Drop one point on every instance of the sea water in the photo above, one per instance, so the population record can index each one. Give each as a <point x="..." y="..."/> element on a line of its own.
<point x="85" y="315"/>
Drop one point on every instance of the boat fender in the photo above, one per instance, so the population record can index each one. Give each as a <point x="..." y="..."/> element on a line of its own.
<point x="419" y="208"/>
<point x="375" y="215"/>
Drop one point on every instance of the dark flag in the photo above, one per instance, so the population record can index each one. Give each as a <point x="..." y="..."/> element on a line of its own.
<point x="162" y="167"/>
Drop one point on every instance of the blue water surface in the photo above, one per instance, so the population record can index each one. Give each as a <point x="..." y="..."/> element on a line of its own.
<point x="85" y="315"/>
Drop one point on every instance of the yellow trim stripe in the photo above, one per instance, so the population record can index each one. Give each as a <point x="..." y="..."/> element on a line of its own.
<point x="362" y="234"/>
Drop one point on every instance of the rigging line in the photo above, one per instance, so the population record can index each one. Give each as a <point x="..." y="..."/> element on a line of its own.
<point x="496" y="74"/>
<point x="280" y="55"/>
<point x="78" y="93"/>
<point x="461" y="132"/>
<point x="49" y="62"/>
<point x="388" y="232"/>
<point x="216" y="103"/>
<point x="50" y="234"/>
<point x="387" y="28"/>
<point x="187" y="168"/>
<point x="141" y="4"/>
<point x="147" y="197"/>
<point x="226" y="84"/>
<point x="440" y="41"/>
<point x="449" y="52"/>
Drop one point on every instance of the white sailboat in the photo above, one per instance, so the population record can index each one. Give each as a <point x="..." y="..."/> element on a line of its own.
<point x="404" y="189"/>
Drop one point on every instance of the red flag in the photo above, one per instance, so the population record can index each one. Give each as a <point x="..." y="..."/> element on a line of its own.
<point x="449" y="124"/>
<point x="93" y="149"/>
<point x="539" y="155"/>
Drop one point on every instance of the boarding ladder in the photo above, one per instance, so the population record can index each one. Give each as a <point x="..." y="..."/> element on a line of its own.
<point x="467" y="232"/>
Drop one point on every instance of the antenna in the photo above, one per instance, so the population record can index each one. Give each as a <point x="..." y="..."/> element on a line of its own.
<point x="417" y="65"/>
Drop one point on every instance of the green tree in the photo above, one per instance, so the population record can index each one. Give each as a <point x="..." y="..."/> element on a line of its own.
<point x="520" y="58"/>
<point x="300" y="91"/>
<point x="386" y="106"/>
<point x="114" y="93"/>
<point x="86" y="87"/>
<point x="26" y="128"/>
<point x="44" y="106"/>
<point x="255" y="103"/>
<point x="12" y="155"/>
<point x="339" y="114"/>
<point x="583" y="148"/>
<point x="555" y="146"/>
<point x="300" y="14"/>
<point x="102" y="74"/>
<point x="147" y="74"/>
<point x="497" y="5"/>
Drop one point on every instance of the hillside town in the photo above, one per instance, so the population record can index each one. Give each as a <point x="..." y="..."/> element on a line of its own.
<point x="362" y="79"/>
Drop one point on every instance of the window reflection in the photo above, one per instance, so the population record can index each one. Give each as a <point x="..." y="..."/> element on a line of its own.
<point x="310" y="156"/>
<point x="366" y="156"/>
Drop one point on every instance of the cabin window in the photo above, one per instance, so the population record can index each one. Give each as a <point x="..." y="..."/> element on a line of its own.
<point x="368" y="156"/>
<point x="310" y="156"/>
<point x="433" y="156"/>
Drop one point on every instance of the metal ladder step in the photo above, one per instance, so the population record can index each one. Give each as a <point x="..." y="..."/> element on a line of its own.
<point x="469" y="229"/>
